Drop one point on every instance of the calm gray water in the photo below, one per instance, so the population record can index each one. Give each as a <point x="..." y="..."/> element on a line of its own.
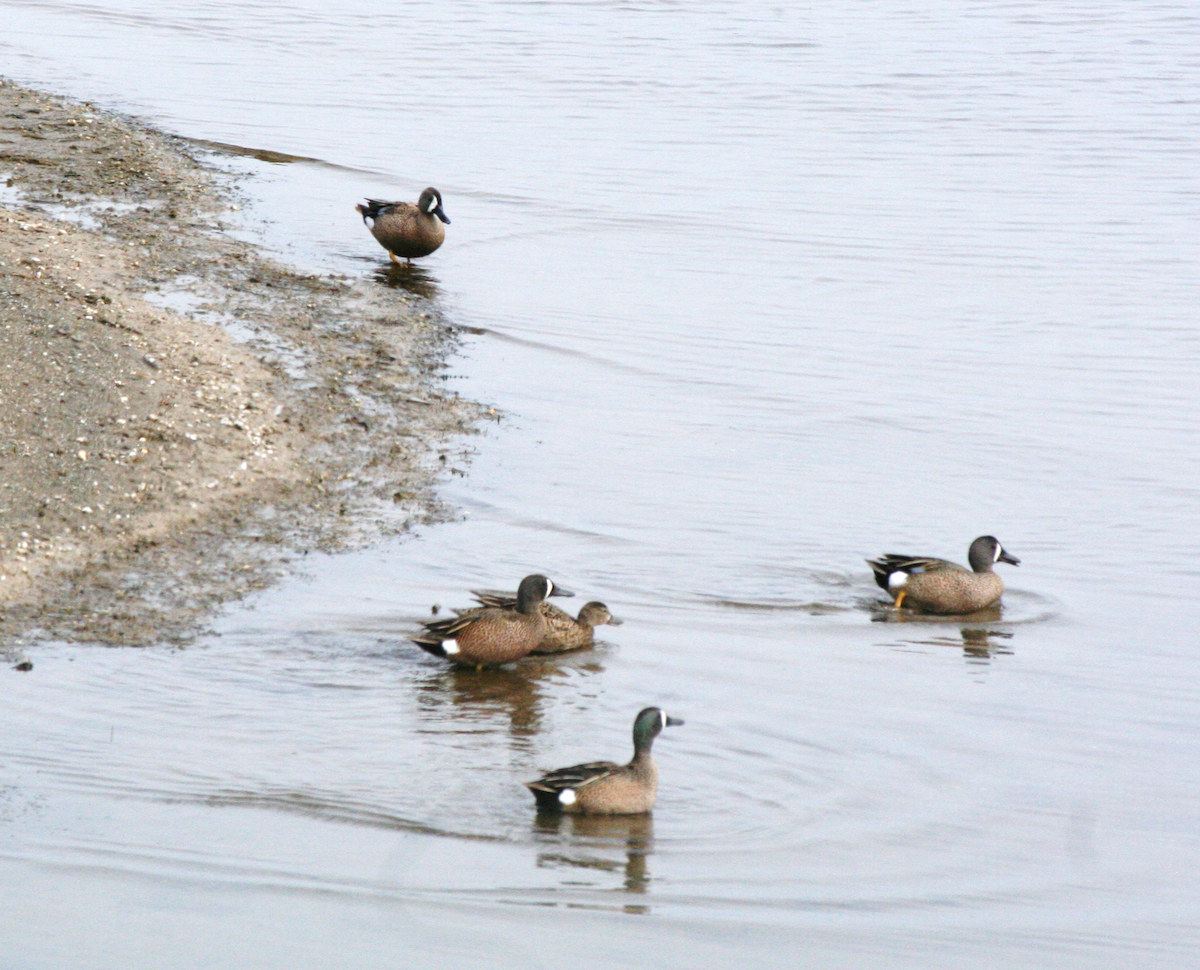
<point x="761" y="290"/>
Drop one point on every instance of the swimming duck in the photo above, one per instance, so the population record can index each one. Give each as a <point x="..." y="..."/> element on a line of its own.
<point x="564" y="632"/>
<point x="938" y="586"/>
<point x="405" y="229"/>
<point x="493" y="635"/>
<point x="605" y="788"/>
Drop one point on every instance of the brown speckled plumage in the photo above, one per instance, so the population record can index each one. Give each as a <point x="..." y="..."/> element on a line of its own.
<point x="493" y="635"/>
<point x="604" y="787"/>
<point x="563" y="631"/>
<point x="405" y="229"/>
<point x="942" y="587"/>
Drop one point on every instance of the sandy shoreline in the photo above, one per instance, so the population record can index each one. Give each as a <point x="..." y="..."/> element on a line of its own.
<point x="152" y="466"/>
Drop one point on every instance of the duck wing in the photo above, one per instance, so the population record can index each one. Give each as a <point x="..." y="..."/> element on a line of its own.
<point x="376" y="207"/>
<point x="504" y="601"/>
<point x="574" y="777"/>
<point x="496" y="598"/>
<point x="889" y="565"/>
<point x="448" y="629"/>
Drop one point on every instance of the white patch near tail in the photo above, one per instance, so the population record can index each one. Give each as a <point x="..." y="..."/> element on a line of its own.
<point x="450" y="646"/>
<point x="567" y="796"/>
<point x="898" y="578"/>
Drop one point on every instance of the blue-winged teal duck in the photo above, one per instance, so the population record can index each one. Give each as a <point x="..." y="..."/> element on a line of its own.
<point x="493" y="635"/>
<point x="404" y="229"/>
<point x="938" y="586"/>
<point x="605" y="788"/>
<point x="564" y="632"/>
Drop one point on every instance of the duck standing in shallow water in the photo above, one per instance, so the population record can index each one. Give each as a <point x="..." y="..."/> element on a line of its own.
<point x="563" y="631"/>
<point x="605" y="788"/>
<point x="493" y="635"/>
<point x="938" y="586"/>
<point x="407" y="230"/>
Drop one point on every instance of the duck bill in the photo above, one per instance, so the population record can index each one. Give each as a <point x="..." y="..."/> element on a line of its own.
<point x="674" y="721"/>
<point x="560" y="591"/>
<point x="614" y="621"/>
<point x="1011" y="560"/>
<point x="441" y="214"/>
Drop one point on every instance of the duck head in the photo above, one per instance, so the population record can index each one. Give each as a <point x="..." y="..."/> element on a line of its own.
<point x="431" y="204"/>
<point x="986" y="551"/>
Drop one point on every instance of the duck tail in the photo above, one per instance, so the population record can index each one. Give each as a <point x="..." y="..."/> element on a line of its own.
<point x="372" y="209"/>
<point x="430" y="644"/>
<point x="546" y="798"/>
<point x="882" y="569"/>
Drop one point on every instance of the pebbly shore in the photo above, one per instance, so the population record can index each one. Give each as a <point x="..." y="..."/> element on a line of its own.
<point x="152" y="466"/>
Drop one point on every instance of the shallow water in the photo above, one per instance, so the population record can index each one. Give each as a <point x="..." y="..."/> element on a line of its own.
<point x="760" y="292"/>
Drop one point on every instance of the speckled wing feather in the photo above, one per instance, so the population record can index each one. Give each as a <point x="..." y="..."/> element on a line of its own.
<point x="506" y="601"/>
<point x="375" y="207"/>
<point x="574" y="777"/>
<point x="885" y="566"/>
<point x="438" y="630"/>
<point x="470" y="613"/>
<point x="495" y="597"/>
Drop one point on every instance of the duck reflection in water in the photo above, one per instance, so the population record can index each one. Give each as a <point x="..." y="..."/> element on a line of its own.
<point x="410" y="278"/>
<point x="581" y="841"/>
<point x="980" y="644"/>
<point x="514" y="693"/>
<point x="886" y="613"/>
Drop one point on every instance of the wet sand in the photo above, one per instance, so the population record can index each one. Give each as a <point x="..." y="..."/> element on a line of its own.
<point x="152" y="466"/>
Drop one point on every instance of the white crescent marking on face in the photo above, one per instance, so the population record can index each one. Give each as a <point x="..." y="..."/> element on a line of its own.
<point x="450" y="646"/>
<point x="433" y="204"/>
<point x="549" y="587"/>
<point x="662" y="715"/>
<point x="999" y="553"/>
<point x="567" y="796"/>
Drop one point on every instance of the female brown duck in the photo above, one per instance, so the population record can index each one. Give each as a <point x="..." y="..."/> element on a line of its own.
<point x="563" y="631"/>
